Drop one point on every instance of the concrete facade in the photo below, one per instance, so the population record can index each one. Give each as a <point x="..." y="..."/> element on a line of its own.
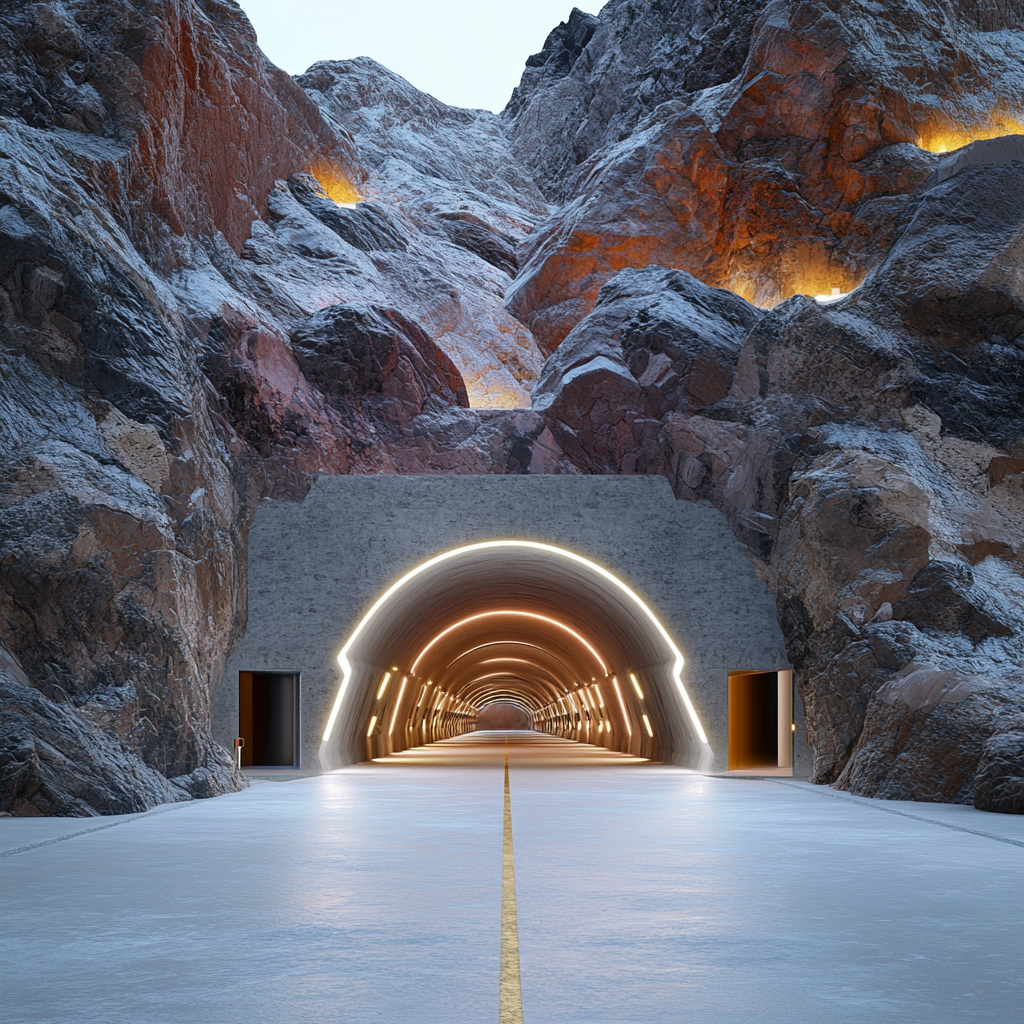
<point x="315" y="567"/>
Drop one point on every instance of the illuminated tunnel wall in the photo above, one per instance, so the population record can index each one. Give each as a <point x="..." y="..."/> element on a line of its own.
<point x="616" y="623"/>
<point x="515" y="622"/>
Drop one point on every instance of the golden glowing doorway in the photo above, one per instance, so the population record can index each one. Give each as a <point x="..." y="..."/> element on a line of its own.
<point x="761" y="721"/>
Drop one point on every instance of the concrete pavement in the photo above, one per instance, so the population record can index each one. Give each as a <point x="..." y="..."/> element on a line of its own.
<point x="645" y="894"/>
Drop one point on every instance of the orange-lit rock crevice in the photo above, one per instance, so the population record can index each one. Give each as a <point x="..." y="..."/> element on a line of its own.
<point x="946" y="134"/>
<point x="789" y="179"/>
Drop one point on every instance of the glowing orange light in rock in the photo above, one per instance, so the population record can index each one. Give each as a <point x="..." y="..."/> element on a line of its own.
<point x="813" y="275"/>
<point x="335" y="182"/>
<point x="946" y="135"/>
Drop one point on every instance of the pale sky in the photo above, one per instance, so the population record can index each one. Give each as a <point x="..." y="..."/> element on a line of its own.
<point x="469" y="53"/>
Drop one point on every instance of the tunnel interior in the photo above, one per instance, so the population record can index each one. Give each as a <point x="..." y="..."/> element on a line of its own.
<point x="474" y="636"/>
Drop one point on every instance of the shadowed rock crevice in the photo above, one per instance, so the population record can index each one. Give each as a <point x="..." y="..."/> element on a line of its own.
<point x="379" y="356"/>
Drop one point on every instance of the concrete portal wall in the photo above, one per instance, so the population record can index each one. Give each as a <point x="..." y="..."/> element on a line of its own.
<point x="315" y="568"/>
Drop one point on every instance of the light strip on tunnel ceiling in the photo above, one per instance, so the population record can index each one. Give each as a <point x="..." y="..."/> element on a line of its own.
<point x="511" y="643"/>
<point x="546" y="680"/>
<point x="508" y="698"/>
<point x="515" y="661"/>
<point x="636" y="686"/>
<point x="493" y="675"/>
<point x="677" y="668"/>
<point x="488" y="692"/>
<point x="520" y="614"/>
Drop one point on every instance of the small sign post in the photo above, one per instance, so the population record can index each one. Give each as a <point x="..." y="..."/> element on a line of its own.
<point x="239" y="743"/>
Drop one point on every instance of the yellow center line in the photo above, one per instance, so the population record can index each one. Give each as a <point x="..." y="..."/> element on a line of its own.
<point x="510" y="993"/>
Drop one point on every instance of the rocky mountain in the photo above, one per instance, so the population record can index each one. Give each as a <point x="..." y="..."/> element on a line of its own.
<point x="197" y="313"/>
<point x="868" y="450"/>
<point x="771" y="149"/>
<point x="218" y="282"/>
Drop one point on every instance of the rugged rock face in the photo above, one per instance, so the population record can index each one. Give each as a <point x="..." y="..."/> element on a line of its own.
<point x="769" y="149"/>
<point x="196" y="315"/>
<point x="185" y="96"/>
<point x="377" y="355"/>
<point x="999" y="780"/>
<point x="452" y="174"/>
<point x="217" y="282"/>
<point x="659" y="342"/>
<point x="890" y="532"/>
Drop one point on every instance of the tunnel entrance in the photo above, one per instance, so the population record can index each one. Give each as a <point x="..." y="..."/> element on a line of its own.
<point x="760" y="721"/>
<point x="268" y="719"/>
<point x="364" y="566"/>
<point x="512" y="630"/>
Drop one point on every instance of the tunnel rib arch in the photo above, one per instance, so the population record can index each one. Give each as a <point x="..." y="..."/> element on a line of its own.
<point x="412" y="671"/>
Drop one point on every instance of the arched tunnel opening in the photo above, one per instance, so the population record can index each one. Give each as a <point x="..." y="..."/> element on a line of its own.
<point x="512" y="634"/>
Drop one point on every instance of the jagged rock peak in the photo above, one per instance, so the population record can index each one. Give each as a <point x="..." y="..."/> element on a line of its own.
<point x="597" y="77"/>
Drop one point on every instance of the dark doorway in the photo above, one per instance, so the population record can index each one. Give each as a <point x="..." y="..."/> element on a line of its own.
<point x="753" y="720"/>
<point x="268" y="719"/>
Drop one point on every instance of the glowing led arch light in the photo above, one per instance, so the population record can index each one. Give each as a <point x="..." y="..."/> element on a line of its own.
<point x="510" y="611"/>
<point x="677" y="667"/>
<point x="493" y="675"/>
<point x="513" y="643"/>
